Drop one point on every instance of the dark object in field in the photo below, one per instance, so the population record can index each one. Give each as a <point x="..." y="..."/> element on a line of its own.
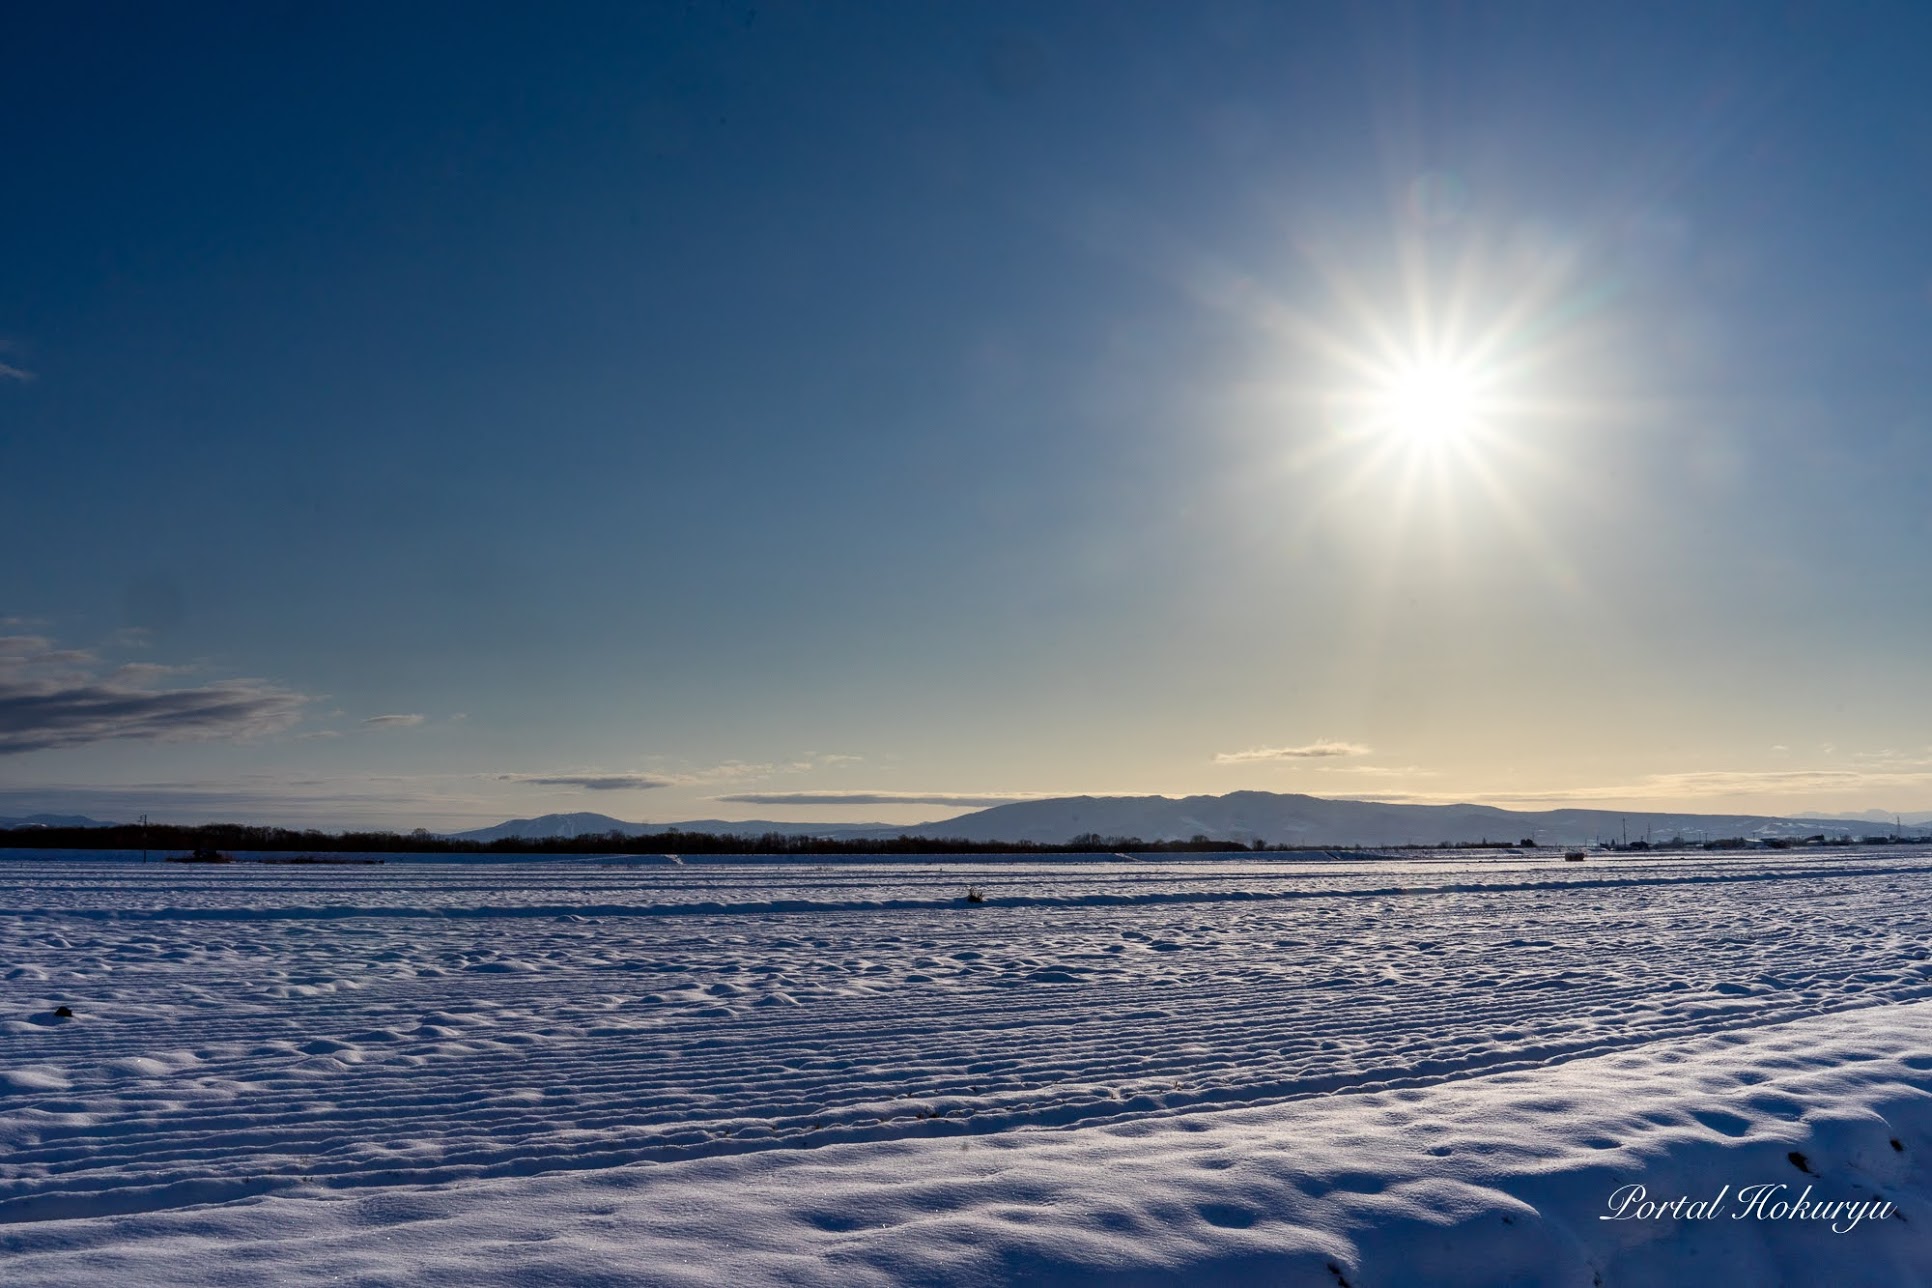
<point x="1574" y="856"/>
<point x="203" y="856"/>
<point x="64" y="1012"/>
<point x="975" y="895"/>
<point x="1800" y="1162"/>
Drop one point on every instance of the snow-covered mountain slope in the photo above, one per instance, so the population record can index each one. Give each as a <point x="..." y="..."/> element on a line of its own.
<point x="547" y="826"/>
<point x="1284" y="818"/>
<point x="1273" y="817"/>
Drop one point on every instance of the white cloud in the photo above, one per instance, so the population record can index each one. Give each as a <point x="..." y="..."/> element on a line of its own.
<point x="1319" y="750"/>
<point x="408" y="721"/>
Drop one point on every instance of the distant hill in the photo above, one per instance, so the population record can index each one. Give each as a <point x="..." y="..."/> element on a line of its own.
<point x="1908" y="817"/>
<point x="553" y="825"/>
<point x="564" y="825"/>
<point x="54" y="820"/>
<point x="1283" y="818"/>
<point x="1273" y="817"/>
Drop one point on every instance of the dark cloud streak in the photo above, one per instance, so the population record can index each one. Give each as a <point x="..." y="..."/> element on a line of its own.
<point x="589" y="782"/>
<point x="874" y="798"/>
<point x="52" y="697"/>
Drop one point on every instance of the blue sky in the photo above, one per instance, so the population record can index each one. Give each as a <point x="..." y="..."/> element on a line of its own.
<point x="817" y="412"/>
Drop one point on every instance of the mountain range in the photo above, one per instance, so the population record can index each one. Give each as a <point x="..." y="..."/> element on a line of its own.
<point x="1272" y="817"/>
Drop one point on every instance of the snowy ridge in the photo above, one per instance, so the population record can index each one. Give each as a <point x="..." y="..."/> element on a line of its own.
<point x="1457" y="1194"/>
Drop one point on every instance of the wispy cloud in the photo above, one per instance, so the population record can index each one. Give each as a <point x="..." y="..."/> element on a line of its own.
<point x="726" y="772"/>
<point x="882" y="798"/>
<point x="52" y="697"/>
<point x="1319" y="750"/>
<point x="408" y="721"/>
<point x="1788" y="784"/>
<point x="1767" y="782"/>
<point x="10" y="372"/>
<point x="333" y="802"/>
<point x="1379" y="771"/>
<point x="589" y="782"/>
<point x="25" y="646"/>
<point x="147" y="672"/>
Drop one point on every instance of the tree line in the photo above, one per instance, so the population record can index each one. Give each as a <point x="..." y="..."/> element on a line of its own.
<point x="239" y="836"/>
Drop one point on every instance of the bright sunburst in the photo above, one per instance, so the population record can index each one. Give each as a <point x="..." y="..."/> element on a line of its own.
<point x="1430" y="404"/>
<point x="1429" y="394"/>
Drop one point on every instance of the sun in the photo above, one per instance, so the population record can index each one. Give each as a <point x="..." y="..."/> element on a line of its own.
<point x="1430" y="404"/>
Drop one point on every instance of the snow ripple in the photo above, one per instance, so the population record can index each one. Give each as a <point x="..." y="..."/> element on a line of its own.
<point x="253" y="1031"/>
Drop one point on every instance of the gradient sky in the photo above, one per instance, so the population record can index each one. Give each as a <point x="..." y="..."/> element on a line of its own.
<point x="433" y="414"/>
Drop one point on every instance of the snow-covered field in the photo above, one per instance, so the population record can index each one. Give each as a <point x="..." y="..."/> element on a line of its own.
<point x="1243" y="1071"/>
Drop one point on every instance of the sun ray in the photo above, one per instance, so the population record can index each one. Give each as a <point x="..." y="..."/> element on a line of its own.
<point x="1435" y="426"/>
